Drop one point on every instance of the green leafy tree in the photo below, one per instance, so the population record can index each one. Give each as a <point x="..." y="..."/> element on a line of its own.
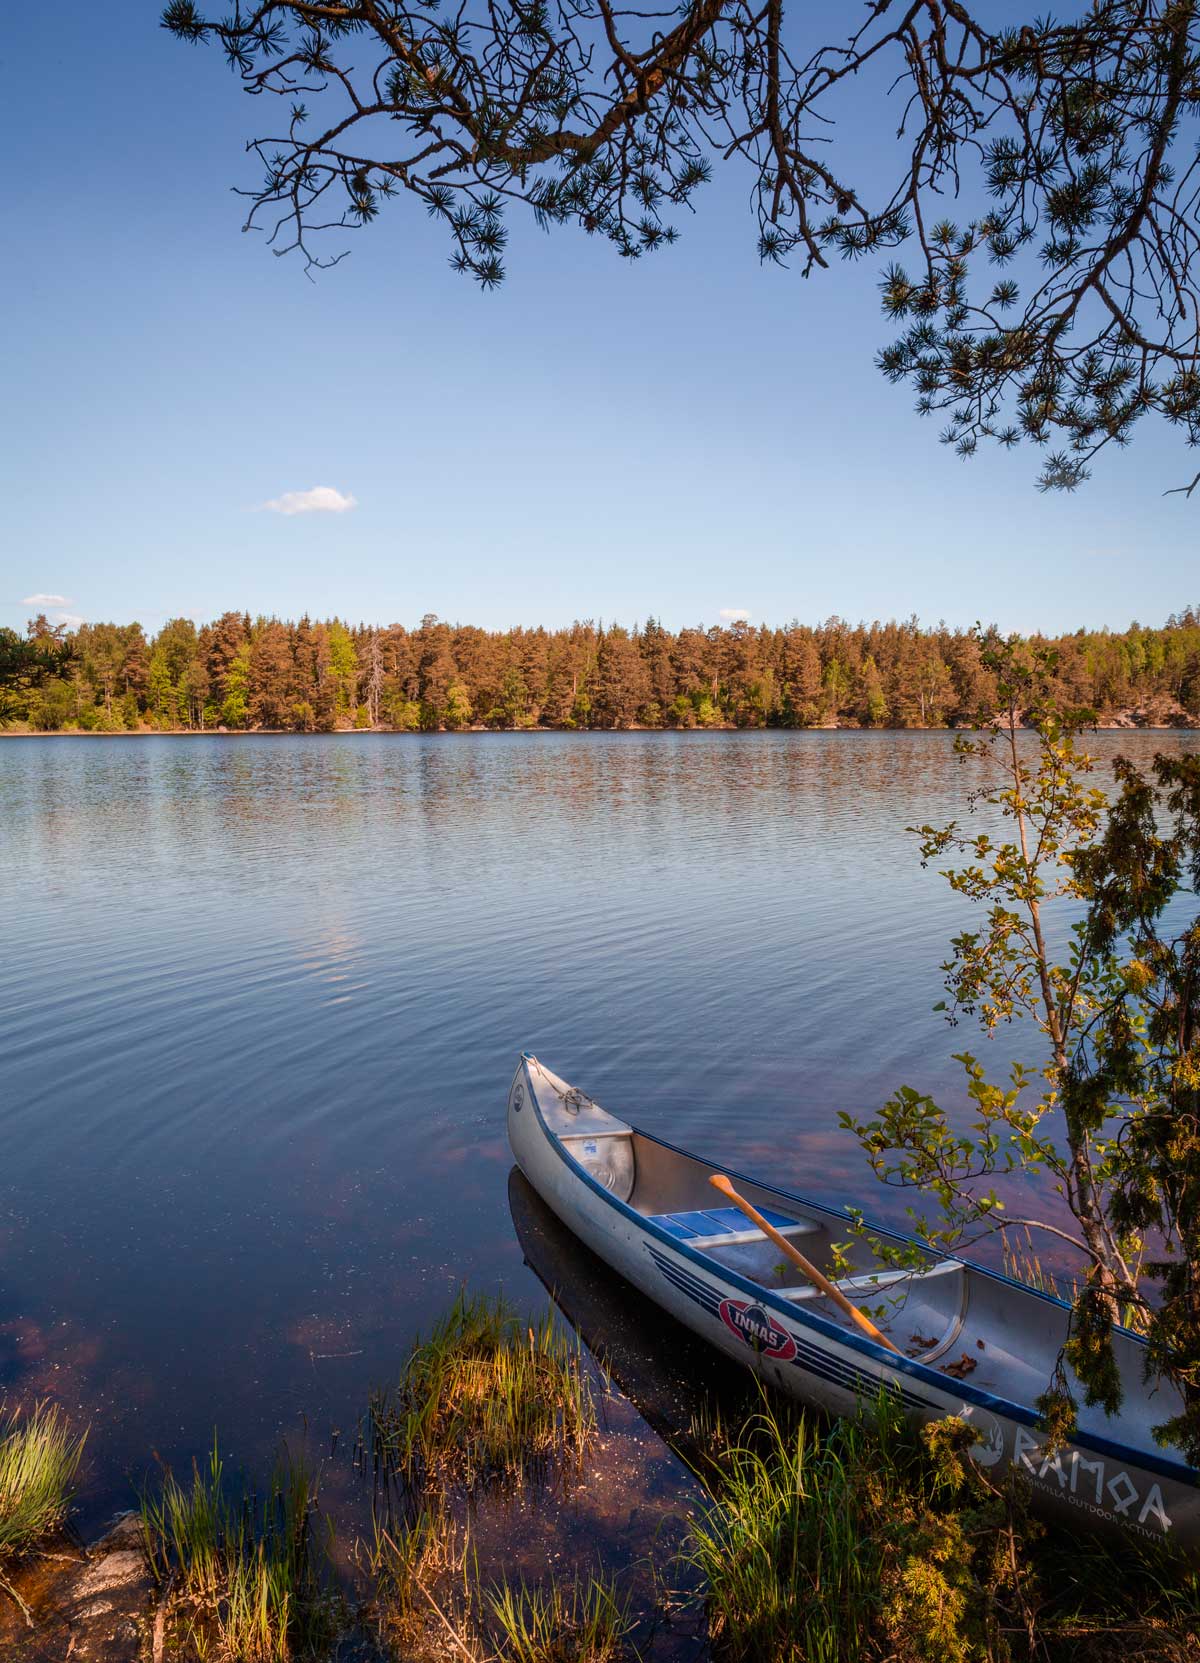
<point x="1060" y="310"/>
<point x="401" y="714"/>
<point x="873" y="701"/>
<point x="235" y="705"/>
<point x="194" y="689"/>
<point x="1107" y="1109"/>
<point x="53" y="707"/>
<point x="343" y="666"/>
<point x="162" y="695"/>
<point x="514" y="699"/>
<point x="458" y="710"/>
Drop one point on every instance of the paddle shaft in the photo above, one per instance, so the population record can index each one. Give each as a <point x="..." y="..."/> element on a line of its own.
<point x="720" y="1182"/>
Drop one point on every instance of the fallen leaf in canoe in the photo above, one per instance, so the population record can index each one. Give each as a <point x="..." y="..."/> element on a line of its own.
<point x="964" y="1365"/>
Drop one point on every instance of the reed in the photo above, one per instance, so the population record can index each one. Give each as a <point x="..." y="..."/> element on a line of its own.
<point x="39" y="1458"/>
<point x="1112" y="1602"/>
<point x="583" y="1622"/>
<point x="485" y="1397"/>
<point x="844" y="1545"/>
<point x="873" y="1542"/>
<point x="1023" y="1264"/>
<point x="407" y="1561"/>
<point x="244" y="1567"/>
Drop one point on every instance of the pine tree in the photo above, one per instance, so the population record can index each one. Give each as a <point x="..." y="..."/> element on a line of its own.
<point x="1059" y="310"/>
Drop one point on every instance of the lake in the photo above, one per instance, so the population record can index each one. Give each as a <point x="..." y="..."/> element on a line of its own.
<point x="261" y="998"/>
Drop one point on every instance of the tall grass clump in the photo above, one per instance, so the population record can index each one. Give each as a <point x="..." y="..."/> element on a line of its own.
<point x="244" y="1567"/>
<point x="877" y="1542"/>
<point x="583" y="1622"/>
<point x="39" y="1457"/>
<point x="867" y="1542"/>
<point x="485" y="1397"/>
<point x="407" y="1560"/>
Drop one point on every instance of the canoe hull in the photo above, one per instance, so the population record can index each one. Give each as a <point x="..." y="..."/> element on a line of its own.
<point x="1096" y="1481"/>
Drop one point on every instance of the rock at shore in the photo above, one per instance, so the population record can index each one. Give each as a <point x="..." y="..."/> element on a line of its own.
<point x="92" y="1607"/>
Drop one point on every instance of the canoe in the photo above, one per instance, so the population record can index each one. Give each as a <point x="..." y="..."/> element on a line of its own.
<point x="973" y="1342"/>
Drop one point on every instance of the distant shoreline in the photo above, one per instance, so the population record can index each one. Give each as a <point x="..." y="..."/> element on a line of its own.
<point x="471" y="732"/>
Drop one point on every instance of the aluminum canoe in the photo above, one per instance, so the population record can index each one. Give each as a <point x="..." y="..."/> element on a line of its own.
<point x="972" y="1342"/>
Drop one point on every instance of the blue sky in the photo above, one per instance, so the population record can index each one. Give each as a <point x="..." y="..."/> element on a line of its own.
<point x="684" y="435"/>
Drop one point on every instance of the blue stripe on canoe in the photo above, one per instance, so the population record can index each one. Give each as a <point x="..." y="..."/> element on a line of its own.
<point x="700" y="1293"/>
<point x="809" y="1358"/>
<point x="714" y="1221"/>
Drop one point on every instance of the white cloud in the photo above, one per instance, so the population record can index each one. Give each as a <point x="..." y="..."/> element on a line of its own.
<point x="732" y="613"/>
<point x="46" y="600"/>
<point x="71" y="619"/>
<point x="322" y="499"/>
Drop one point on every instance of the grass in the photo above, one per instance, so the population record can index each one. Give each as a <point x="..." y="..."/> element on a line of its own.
<point x="243" y="1567"/>
<point x="39" y="1457"/>
<point x="875" y="1541"/>
<point x="485" y="1397"/>
<point x="428" y="1590"/>
<point x="838" y="1546"/>
<point x="406" y="1563"/>
<point x="584" y="1622"/>
<point x="1022" y="1262"/>
<point x="864" y="1541"/>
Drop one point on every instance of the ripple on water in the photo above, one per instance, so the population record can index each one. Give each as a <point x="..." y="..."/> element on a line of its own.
<point x="260" y="998"/>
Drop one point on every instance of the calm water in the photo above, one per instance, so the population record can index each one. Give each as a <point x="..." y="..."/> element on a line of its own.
<point x="261" y="998"/>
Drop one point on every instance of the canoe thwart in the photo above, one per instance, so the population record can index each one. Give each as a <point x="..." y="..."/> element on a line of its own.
<point x="870" y="1281"/>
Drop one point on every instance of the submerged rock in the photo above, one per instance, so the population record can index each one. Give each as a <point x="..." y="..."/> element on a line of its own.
<point x="91" y="1606"/>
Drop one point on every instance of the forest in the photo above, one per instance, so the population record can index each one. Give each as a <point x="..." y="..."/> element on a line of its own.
<point x="241" y="673"/>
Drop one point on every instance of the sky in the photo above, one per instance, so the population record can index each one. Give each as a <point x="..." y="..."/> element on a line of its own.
<point x="192" y="425"/>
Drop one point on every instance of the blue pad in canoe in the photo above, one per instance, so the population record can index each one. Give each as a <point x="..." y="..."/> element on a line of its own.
<point x="718" y="1221"/>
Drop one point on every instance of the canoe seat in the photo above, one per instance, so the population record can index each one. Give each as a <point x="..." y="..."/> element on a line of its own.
<point x="726" y="1226"/>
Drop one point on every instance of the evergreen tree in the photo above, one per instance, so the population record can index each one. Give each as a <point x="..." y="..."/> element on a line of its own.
<point x="1059" y="310"/>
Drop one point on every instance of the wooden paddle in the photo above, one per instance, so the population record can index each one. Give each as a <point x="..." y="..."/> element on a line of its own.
<point x="720" y="1182"/>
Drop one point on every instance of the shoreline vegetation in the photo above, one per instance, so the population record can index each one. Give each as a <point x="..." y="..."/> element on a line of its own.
<point x="861" y="1541"/>
<point x="1121" y="722"/>
<point x="240" y="674"/>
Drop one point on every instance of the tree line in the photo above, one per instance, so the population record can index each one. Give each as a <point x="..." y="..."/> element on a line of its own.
<point x="240" y="673"/>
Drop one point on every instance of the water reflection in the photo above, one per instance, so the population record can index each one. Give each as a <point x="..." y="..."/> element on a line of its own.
<point x="670" y="1376"/>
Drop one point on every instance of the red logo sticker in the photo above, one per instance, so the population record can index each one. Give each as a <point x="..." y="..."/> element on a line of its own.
<point x="756" y="1329"/>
